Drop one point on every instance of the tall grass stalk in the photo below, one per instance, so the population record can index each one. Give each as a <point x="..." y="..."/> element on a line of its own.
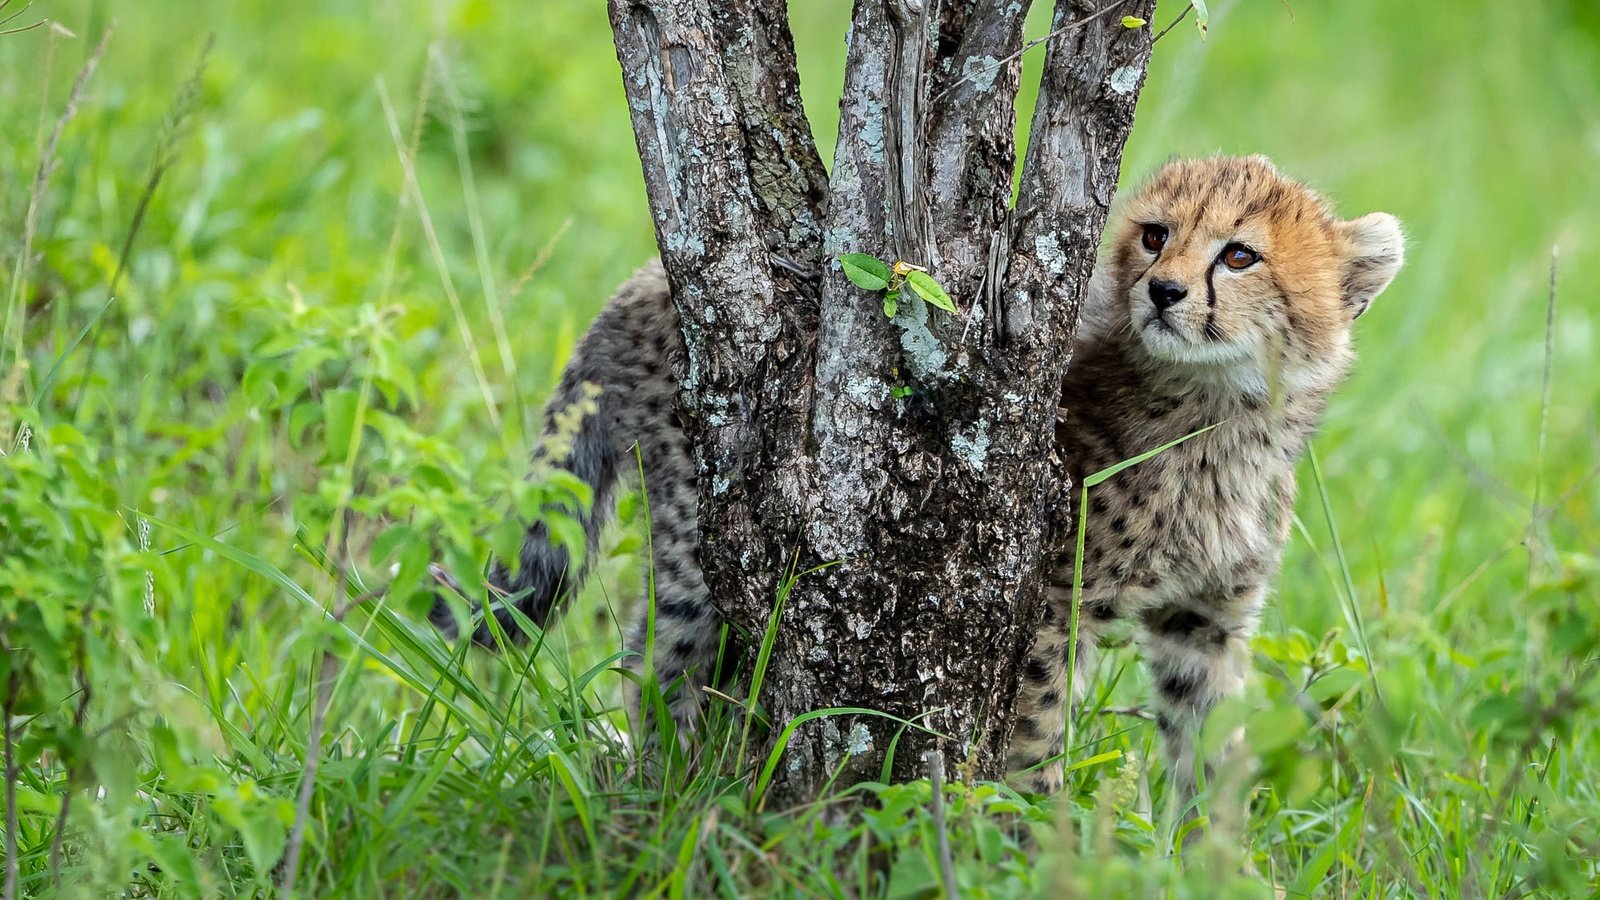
<point x="20" y="271"/>
<point x="441" y="267"/>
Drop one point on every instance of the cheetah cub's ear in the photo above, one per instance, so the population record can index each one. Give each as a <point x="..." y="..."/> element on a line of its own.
<point x="1375" y="248"/>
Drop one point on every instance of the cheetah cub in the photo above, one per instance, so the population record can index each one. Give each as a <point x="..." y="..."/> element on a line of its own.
<point x="1225" y="298"/>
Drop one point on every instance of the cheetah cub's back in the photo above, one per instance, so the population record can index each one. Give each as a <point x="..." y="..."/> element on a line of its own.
<point x="1224" y="300"/>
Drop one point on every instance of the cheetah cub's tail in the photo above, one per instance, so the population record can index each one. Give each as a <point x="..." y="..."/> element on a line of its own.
<point x="544" y="573"/>
<point x="611" y="388"/>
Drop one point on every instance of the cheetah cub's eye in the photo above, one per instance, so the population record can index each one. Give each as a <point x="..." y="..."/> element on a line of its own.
<point x="1155" y="237"/>
<point x="1238" y="256"/>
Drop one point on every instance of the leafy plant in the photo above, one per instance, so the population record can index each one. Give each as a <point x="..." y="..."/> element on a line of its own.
<point x="869" y="273"/>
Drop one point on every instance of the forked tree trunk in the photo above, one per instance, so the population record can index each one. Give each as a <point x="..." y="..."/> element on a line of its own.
<point x="931" y="506"/>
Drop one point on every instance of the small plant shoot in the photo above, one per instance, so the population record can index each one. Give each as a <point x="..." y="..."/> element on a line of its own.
<point x="872" y="274"/>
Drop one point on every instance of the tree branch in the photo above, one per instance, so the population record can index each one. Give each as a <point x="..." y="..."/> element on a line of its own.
<point x="738" y="192"/>
<point x="857" y="345"/>
<point x="689" y="124"/>
<point x="692" y="148"/>
<point x="972" y="132"/>
<point x="786" y="173"/>
<point x="1091" y="82"/>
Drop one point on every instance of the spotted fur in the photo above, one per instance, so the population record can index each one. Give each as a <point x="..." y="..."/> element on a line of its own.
<point x="1185" y="544"/>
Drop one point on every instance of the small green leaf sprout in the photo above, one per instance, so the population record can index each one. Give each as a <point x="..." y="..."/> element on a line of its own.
<point x="872" y="274"/>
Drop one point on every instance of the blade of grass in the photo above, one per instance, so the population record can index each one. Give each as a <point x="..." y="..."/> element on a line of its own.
<point x="1352" y="608"/>
<point x="41" y="177"/>
<point x="1104" y="474"/>
<point x="480" y="242"/>
<point x="758" y="794"/>
<point x="1537" y="514"/>
<point x="391" y="629"/>
<point x="173" y="123"/>
<point x="769" y="639"/>
<point x="1090" y="481"/>
<point x="441" y="264"/>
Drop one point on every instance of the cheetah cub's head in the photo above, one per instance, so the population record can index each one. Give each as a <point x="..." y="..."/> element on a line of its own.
<point x="1224" y="264"/>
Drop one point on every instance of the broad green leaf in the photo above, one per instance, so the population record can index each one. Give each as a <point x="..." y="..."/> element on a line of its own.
<point x="393" y="537"/>
<point x="260" y="382"/>
<point x="339" y="415"/>
<point x="264" y="834"/>
<point x="433" y="477"/>
<point x="891" y="303"/>
<point x="930" y="290"/>
<point x="1096" y="760"/>
<point x="865" y="271"/>
<point x="505" y="539"/>
<point x="1508" y="712"/>
<point x="912" y="875"/>
<point x="1132" y="22"/>
<point x="173" y="855"/>
<point x="990" y="839"/>
<point x="301" y="418"/>
<point x="1274" y="728"/>
<point x="579" y="493"/>
<point x="1335" y="684"/>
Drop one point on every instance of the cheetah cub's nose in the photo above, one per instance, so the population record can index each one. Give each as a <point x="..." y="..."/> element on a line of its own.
<point x="1165" y="293"/>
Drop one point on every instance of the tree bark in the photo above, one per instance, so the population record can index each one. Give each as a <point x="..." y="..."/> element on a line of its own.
<point x="928" y="511"/>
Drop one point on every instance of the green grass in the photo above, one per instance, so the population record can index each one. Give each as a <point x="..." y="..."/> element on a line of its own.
<point x="290" y="370"/>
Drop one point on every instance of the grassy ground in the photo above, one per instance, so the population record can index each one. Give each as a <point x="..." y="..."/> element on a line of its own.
<point x="241" y="342"/>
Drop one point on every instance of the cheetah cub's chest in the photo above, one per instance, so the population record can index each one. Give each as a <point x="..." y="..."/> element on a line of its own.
<point x="1204" y="519"/>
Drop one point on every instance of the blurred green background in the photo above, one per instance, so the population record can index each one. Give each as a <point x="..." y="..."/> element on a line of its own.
<point x="290" y="353"/>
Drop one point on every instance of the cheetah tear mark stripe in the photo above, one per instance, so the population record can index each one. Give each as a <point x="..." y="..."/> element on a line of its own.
<point x="1212" y="333"/>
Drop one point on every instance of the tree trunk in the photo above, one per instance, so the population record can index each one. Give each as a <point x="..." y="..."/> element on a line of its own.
<point x="929" y="510"/>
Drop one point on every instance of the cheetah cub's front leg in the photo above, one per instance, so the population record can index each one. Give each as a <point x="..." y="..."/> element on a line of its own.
<point x="1197" y="654"/>
<point x="1035" y="759"/>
